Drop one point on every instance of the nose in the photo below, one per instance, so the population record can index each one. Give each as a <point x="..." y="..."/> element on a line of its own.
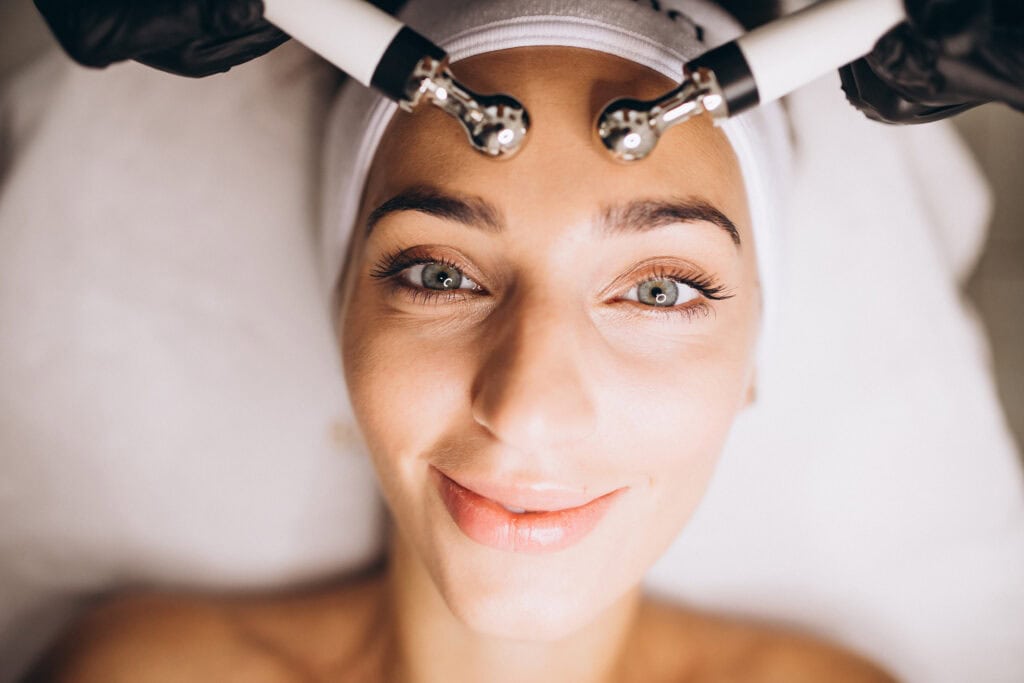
<point x="531" y="389"/>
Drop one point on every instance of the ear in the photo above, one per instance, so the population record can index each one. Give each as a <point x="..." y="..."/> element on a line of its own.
<point x="751" y="396"/>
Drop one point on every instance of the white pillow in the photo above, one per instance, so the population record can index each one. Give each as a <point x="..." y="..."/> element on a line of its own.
<point x="171" y="404"/>
<point x="171" y="408"/>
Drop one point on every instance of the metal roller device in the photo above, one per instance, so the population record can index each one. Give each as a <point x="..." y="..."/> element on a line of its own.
<point x="377" y="50"/>
<point x="757" y="68"/>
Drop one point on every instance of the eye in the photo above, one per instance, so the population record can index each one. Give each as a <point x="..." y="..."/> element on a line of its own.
<point x="662" y="292"/>
<point x="437" y="276"/>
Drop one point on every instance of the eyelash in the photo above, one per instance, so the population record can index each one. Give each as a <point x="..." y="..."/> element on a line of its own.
<point x="704" y="284"/>
<point x="392" y="264"/>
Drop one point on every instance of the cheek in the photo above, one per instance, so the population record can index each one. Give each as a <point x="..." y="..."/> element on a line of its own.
<point x="670" y="411"/>
<point x="674" y="382"/>
<point x="673" y="440"/>
<point x="681" y="414"/>
<point x="407" y="380"/>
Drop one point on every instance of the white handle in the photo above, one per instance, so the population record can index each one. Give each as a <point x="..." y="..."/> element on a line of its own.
<point x="351" y="34"/>
<point x="796" y="49"/>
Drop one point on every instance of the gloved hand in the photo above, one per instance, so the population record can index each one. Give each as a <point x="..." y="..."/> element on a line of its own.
<point x="185" y="37"/>
<point x="950" y="55"/>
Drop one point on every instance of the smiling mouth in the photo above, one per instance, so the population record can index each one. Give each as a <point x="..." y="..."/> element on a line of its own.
<point x="517" y="529"/>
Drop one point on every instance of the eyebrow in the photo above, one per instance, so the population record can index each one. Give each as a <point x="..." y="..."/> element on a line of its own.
<point x="468" y="210"/>
<point x="649" y="214"/>
<point x="632" y="217"/>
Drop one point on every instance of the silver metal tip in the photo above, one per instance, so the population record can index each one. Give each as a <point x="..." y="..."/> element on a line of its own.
<point x="630" y="129"/>
<point x="501" y="131"/>
<point x="626" y="131"/>
<point x="496" y="125"/>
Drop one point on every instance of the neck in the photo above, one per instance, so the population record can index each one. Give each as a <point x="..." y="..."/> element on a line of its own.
<point x="430" y="644"/>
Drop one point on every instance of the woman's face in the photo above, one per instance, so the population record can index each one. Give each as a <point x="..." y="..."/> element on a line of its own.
<point x="558" y="333"/>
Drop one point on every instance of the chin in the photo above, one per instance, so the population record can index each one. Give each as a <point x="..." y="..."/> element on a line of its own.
<point x="524" y="603"/>
<point x="524" y="596"/>
<point x="528" y="593"/>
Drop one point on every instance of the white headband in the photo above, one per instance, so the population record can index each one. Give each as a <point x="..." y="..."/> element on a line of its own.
<point x="662" y="39"/>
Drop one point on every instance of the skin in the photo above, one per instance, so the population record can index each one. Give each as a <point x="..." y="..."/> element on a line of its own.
<point x="552" y="375"/>
<point x="550" y="372"/>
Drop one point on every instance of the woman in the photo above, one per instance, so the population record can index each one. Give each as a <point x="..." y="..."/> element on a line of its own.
<point x="544" y="356"/>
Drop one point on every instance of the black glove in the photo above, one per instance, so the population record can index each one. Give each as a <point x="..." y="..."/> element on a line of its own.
<point x="185" y="37"/>
<point x="950" y="55"/>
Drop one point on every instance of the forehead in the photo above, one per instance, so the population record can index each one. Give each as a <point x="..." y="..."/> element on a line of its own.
<point x="563" y="173"/>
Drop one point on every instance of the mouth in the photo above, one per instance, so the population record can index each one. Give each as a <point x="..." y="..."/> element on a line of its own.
<point x="506" y="526"/>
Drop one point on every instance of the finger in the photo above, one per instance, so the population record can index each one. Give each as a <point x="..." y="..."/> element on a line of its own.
<point x="205" y="57"/>
<point x="877" y="100"/>
<point x="100" y="32"/>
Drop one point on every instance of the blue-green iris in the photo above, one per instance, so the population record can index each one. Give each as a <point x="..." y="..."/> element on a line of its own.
<point x="658" y="292"/>
<point x="440" y="276"/>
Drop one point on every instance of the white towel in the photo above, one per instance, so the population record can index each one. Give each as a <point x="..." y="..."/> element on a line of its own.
<point x="662" y="36"/>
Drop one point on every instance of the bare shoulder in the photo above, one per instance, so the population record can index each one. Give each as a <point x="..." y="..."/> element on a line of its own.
<point x="708" y="647"/>
<point x="152" y="638"/>
<point x="789" y="656"/>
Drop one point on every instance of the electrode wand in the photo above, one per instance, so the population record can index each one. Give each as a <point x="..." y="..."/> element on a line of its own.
<point x="759" y="67"/>
<point x="379" y="51"/>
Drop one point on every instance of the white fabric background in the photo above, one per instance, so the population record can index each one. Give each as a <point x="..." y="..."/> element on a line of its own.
<point x="169" y="394"/>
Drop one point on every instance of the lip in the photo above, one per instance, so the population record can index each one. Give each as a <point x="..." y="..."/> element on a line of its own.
<point x="487" y="522"/>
